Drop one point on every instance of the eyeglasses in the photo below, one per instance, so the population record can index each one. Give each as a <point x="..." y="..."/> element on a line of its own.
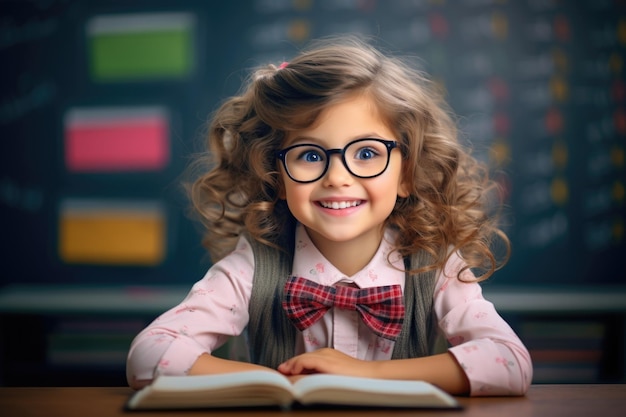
<point x="363" y="158"/>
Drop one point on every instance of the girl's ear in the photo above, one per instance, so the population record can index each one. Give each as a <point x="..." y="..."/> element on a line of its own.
<point x="403" y="189"/>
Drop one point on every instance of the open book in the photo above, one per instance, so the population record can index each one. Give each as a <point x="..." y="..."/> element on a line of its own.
<point x="265" y="388"/>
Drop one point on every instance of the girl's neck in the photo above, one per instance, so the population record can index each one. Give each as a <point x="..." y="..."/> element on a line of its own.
<point x="349" y="257"/>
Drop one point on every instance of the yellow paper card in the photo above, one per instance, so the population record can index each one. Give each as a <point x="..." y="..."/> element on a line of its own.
<point x="112" y="232"/>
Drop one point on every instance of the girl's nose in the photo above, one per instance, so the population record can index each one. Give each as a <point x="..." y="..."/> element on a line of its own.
<point x="337" y="174"/>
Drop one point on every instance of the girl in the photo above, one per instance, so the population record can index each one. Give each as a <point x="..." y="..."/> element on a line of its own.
<point x="337" y="180"/>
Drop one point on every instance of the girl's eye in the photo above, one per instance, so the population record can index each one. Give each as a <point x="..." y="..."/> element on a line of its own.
<point x="311" y="156"/>
<point x="366" y="153"/>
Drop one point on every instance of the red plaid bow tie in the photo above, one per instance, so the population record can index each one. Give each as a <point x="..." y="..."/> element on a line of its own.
<point x="381" y="308"/>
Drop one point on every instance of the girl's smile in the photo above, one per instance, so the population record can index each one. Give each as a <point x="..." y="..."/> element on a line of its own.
<point x="341" y="207"/>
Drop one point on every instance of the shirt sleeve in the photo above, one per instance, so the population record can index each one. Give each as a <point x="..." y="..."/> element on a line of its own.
<point x="215" y="309"/>
<point x="493" y="357"/>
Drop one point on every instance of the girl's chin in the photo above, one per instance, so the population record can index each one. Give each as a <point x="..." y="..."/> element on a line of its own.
<point x="334" y="236"/>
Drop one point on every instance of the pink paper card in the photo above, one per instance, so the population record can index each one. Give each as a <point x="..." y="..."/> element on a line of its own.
<point x="116" y="139"/>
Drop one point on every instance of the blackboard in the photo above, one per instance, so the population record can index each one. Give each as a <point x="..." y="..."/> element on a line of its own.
<point x="538" y="86"/>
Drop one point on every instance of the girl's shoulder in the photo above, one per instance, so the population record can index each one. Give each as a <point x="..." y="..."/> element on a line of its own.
<point x="239" y="261"/>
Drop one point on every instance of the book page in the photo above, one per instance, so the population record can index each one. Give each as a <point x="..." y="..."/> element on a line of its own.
<point x="337" y="389"/>
<point x="220" y="381"/>
<point x="249" y="388"/>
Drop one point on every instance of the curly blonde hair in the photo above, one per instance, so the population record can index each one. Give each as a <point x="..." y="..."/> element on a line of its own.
<point x="448" y="208"/>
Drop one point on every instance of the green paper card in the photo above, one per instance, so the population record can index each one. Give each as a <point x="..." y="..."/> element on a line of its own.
<point x="131" y="47"/>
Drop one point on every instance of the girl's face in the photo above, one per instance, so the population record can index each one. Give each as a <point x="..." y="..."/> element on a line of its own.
<point x="340" y="208"/>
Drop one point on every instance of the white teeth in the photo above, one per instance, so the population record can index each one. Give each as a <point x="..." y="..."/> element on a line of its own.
<point x="338" y="205"/>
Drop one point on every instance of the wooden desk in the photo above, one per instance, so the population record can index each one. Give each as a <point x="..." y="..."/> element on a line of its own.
<point x="541" y="400"/>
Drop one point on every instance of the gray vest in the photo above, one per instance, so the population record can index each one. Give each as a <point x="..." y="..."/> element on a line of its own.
<point x="272" y="337"/>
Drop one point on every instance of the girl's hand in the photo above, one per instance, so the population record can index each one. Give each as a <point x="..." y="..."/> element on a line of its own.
<point x="327" y="361"/>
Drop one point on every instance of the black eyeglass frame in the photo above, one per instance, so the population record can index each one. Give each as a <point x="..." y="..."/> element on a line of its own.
<point x="389" y="144"/>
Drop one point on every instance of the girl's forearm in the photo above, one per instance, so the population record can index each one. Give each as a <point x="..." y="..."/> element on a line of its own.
<point x="441" y="370"/>
<point x="208" y="364"/>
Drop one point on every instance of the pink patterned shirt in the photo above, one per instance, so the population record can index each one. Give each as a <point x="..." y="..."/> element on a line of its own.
<point x="492" y="356"/>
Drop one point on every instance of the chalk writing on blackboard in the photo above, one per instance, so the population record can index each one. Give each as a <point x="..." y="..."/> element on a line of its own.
<point x="15" y="107"/>
<point x="13" y="33"/>
<point x="17" y="196"/>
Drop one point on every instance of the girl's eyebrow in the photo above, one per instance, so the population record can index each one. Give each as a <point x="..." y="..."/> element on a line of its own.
<point x="302" y="138"/>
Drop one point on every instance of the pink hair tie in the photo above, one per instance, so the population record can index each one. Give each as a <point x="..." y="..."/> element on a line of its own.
<point x="283" y="65"/>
